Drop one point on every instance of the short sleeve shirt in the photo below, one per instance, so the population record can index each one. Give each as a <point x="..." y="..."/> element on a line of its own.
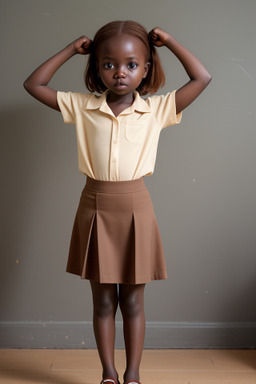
<point x="118" y="148"/>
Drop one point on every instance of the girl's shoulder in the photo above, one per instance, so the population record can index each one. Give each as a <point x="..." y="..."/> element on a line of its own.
<point x="72" y="104"/>
<point x="77" y="99"/>
<point x="164" y="108"/>
<point x="159" y="96"/>
<point x="155" y="101"/>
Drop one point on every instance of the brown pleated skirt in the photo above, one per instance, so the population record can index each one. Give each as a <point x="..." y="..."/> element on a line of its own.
<point x="115" y="236"/>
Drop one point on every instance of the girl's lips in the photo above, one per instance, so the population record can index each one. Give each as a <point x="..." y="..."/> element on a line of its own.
<point x="120" y="85"/>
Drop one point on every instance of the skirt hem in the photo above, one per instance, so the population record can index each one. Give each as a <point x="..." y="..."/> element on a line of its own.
<point x="111" y="280"/>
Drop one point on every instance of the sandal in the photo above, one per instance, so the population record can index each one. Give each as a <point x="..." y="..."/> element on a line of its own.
<point x="132" y="382"/>
<point x="110" y="380"/>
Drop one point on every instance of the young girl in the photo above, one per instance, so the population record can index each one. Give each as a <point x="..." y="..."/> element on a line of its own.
<point x="115" y="241"/>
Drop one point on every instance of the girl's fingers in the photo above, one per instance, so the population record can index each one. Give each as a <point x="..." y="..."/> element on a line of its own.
<point x="87" y="43"/>
<point x="156" y="37"/>
<point x="82" y="45"/>
<point x="153" y="35"/>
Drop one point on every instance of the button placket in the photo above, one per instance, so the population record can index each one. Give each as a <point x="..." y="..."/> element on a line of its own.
<point x="114" y="151"/>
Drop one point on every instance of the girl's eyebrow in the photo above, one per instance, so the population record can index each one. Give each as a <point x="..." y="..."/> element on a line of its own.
<point x="127" y="58"/>
<point x="132" y="58"/>
<point x="108" y="58"/>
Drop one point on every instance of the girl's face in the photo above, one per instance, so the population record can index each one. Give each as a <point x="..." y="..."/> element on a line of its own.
<point x="122" y="63"/>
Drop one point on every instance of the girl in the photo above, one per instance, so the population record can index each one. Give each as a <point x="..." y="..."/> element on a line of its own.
<point x="115" y="241"/>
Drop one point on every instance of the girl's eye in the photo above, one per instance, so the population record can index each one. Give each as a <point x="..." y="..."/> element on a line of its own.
<point x="108" y="66"/>
<point x="132" y="65"/>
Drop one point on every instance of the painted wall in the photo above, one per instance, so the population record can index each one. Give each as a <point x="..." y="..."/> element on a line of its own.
<point x="203" y="188"/>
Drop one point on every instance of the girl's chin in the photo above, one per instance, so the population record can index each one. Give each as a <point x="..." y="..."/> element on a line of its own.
<point x="120" y="90"/>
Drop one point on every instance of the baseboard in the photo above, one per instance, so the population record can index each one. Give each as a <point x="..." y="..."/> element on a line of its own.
<point x="79" y="335"/>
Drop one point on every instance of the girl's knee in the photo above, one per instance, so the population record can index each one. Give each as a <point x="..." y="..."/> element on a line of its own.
<point x="105" y="300"/>
<point x="104" y="307"/>
<point x="131" y="302"/>
<point x="131" y="308"/>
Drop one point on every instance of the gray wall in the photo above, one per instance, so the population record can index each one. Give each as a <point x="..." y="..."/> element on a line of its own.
<point x="203" y="189"/>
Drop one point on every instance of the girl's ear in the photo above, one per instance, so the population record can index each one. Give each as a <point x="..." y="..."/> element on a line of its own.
<point x="146" y="69"/>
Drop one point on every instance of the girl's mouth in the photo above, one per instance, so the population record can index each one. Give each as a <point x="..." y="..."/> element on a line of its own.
<point x="120" y="85"/>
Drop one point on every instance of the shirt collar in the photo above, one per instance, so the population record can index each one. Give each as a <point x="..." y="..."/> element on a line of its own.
<point x="100" y="102"/>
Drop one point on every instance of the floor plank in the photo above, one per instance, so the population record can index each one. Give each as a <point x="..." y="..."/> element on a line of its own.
<point x="158" y="366"/>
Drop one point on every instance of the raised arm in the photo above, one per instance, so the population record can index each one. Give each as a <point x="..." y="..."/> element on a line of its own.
<point x="198" y="74"/>
<point x="37" y="83"/>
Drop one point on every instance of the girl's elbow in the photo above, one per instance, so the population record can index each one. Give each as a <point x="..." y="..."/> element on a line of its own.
<point x="29" y="87"/>
<point x="26" y="85"/>
<point x="208" y="78"/>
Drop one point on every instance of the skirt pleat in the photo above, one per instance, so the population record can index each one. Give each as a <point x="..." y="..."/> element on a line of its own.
<point x="115" y="237"/>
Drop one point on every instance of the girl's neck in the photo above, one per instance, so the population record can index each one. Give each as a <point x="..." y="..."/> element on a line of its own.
<point x="118" y="103"/>
<point x="113" y="98"/>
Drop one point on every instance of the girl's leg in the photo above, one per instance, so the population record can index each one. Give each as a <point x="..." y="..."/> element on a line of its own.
<point x="131" y="301"/>
<point x="105" y="302"/>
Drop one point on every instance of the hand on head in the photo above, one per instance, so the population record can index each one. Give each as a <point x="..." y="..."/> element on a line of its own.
<point x="82" y="45"/>
<point x="158" y="37"/>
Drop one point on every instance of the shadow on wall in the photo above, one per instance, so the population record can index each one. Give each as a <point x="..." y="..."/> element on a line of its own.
<point x="37" y="162"/>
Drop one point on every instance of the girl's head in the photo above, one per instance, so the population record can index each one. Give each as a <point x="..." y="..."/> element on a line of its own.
<point x="152" y="79"/>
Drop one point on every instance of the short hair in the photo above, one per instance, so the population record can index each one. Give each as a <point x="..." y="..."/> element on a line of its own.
<point x="155" y="78"/>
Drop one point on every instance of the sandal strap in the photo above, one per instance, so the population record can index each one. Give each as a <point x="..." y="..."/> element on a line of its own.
<point x="133" y="382"/>
<point x="109" y="380"/>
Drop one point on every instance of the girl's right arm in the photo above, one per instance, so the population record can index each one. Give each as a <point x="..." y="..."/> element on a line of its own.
<point x="198" y="74"/>
<point x="37" y="83"/>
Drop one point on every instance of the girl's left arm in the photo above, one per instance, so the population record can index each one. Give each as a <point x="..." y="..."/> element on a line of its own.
<point x="199" y="76"/>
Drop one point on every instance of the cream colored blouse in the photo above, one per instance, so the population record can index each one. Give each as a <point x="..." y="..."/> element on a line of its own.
<point x="117" y="148"/>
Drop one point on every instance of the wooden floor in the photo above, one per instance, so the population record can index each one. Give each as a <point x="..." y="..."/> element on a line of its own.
<point x="158" y="366"/>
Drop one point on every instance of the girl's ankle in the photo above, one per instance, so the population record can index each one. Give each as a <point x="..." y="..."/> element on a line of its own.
<point x="130" y="376"/>
<point x="110" y="373"/>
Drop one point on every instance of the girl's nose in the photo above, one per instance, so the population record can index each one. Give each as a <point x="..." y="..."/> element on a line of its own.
<point x="120" y="74"/>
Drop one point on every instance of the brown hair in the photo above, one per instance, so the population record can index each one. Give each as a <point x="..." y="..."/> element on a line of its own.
<point x="155" y="77"/>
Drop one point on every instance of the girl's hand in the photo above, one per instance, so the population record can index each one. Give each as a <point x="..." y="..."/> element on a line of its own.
<point x="158" y="37"/>
<point x="82" y="45"/>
